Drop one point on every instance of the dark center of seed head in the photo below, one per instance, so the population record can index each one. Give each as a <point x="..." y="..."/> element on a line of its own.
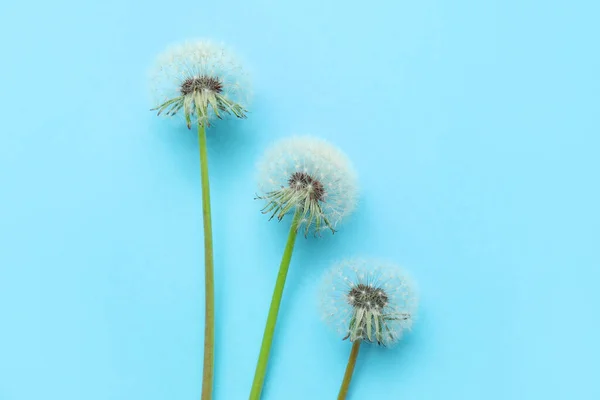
<point x="365" y="296"/>
<point x="304" y="182"/>
<point x="199" y="83"/>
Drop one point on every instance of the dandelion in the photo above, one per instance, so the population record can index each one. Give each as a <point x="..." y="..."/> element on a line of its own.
<point x="314" y="181"/>
<point x="202" y="82"/>
<point x="311" y="178"/>
<point x="367" y="301"/>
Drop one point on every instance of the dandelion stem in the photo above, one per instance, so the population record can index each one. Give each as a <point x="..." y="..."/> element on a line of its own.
<point x="209" y="314"/>
<point x="349" y="370"/>
<point x="265" y="348"/>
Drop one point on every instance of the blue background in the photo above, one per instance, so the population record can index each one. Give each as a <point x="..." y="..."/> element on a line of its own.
<point x="473" y="126"/>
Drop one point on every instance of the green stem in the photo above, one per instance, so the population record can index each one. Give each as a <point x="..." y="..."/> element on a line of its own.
<point x="209" y="276"/>
<point x="265" y="348"/>
<point x="349" y="370"/>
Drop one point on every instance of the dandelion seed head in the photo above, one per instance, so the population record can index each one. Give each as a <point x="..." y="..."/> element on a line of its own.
<point x="368" y="300"/>
<point x="311" y="176"/>
<point x="201" y="81"/>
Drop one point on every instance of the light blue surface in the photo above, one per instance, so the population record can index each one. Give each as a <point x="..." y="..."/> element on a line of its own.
<point x="473" y="125"/>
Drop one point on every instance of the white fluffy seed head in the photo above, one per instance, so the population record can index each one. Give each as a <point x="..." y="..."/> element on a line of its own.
<point x="369" y="300"/>
<point x="308" y="175"/>
<point x="197" y="60"/>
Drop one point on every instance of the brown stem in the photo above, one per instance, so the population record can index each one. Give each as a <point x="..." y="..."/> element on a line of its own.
<point x="349" y="370"/>
<point x="209" y="314"/>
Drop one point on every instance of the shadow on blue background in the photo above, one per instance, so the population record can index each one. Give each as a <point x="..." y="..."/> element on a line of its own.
<point x="473" y="126"/>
